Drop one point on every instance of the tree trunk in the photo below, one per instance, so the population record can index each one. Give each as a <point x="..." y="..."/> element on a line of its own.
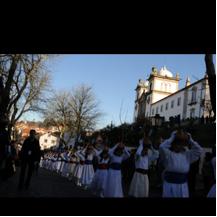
<point x="210" y="70"/>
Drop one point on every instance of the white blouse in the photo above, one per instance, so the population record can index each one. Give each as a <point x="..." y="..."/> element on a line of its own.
<point x="143" y="162"/>
<point x="179" y="162"/>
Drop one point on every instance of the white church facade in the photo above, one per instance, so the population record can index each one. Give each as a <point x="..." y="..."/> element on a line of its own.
<point x="160" y="94"/>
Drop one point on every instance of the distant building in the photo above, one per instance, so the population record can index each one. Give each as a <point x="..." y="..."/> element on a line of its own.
<point x="160" y="94"/>
<point x="23" y="128"/>
<point x="48" y="140"/>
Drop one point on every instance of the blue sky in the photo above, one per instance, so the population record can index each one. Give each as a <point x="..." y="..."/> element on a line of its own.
<point x="114" y="77"/>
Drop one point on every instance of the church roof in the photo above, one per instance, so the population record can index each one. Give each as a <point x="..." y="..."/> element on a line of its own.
<point x="165" y="72"/>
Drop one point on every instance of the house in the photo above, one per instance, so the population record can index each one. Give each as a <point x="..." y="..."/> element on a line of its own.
<point x="48" y="140"/>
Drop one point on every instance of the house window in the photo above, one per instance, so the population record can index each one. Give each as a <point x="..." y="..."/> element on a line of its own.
<point x="161" y="108"/>
<point x="166" y="105"/>
<point x="152" y="111"/>
<point x="53" y="141"/>
<point x="194" y="94"/>
<point x="172" y="103"/>
<point x="179" y="101"/>
<point x="45" y="140"/>
<point x="192" y="113"/>
<point x="157" y="110"/>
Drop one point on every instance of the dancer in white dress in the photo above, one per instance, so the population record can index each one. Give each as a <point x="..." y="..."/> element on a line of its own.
<point x="212" y="192"/>
<point x="113" y="187"/>
<point x="74" y="160"/>
<point x="62" y="162"/>
<point x="177" y="162"/>
<point x="65" y="170"/>
<point x="145" y="154"/>
<point x="58" y="163"/>
<point x="88" y="172"/>
<point x="79" y="167"/>
<point x="100" y="177"/>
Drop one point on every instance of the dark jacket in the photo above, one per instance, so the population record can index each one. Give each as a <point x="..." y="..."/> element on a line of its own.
<point x="30" y="150"/>
<point x="4" y="143"/>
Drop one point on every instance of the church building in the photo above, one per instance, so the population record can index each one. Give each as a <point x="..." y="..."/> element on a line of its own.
<point x="160" y="94"/>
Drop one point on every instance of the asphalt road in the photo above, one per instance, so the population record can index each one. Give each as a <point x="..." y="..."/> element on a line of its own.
<point x="47" y="184"/>
<point x="44" y="184"/>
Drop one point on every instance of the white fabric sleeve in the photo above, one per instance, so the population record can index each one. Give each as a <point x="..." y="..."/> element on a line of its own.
<point x="126" y="153"/>
<point x="154" y="155"/>
<point x="139" y="150"/>
<point x="195" y="152"/>
<point x="164" y="150"/>
<point x="111" y="150"/>
<point x="80" y="155"/>
<point x="97" y="152"/>
<point x="167" y="143"/>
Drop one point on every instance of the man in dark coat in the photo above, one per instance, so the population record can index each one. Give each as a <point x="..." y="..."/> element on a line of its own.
<point x="4" y="144"/>
<point x="30" y="155"/>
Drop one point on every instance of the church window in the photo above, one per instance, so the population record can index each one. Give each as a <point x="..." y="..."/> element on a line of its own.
<point x="152" y="111"/>
<point x="45" y="140"/>
<point x="161" y="86"/>
<point x="192" y="113"/>
<point x="166" y="105"/>
<point x="161" y="108"/>
<point x="165" y="87"/>
<point x="157" y="110"/>
<point x="194" y="94"/>
<point x="172" y="103"/>
<point x="179" y="101"/>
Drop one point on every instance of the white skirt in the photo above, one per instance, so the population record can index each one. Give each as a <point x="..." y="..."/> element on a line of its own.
<point x="72" y="169"/>
<point x="78" y="171"/>
<point x="212" y="192"/>
<point x="61" y="166"/>
<point x="113" y="187"/>
<point x="53" y="166"/>
<point x="175" y="190"/>
<point x="139" y="186"/>
<point x="65" y="169"/>
<point x="87" y="174"/>
<point x="58" y="165"/>
<point x="99" y="181"/>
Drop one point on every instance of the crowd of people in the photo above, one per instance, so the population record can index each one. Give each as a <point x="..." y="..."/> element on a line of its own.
<point x="118" y="170"/>
<point x="102" y="169"/>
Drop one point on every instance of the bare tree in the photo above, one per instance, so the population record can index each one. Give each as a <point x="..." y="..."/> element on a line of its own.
<point x="58" y="113"/>
<point x="85" y="109"/>
<point x="23" y="80"/>
<point x="72" y="112"/>
<point x="210" y="70"/>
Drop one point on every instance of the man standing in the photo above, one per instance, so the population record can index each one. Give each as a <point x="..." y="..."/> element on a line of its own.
<point x="30" y="155"/>
<point x="4" y="144"/>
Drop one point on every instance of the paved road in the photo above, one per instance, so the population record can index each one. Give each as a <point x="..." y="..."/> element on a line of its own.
<point x="49" y="184"/>
<point x="45" y="184"/>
